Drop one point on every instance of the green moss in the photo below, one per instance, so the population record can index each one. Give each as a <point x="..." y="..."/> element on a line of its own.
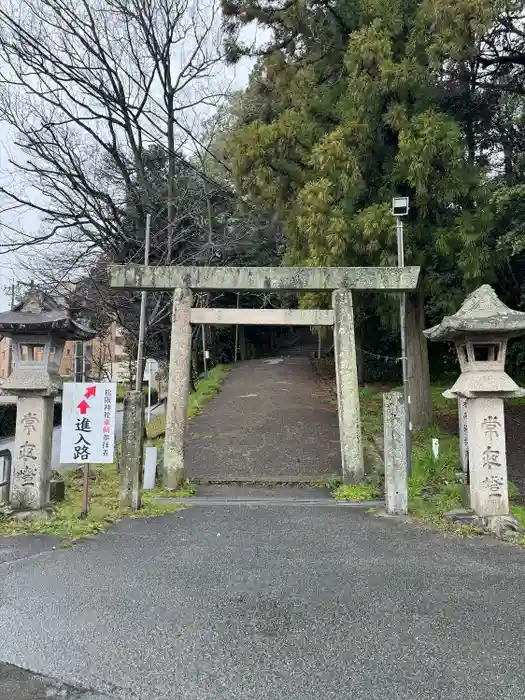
<point x="433" y="486"/>
<point x="356" y="492"/>
<point x="187" y="490"/>
<point x="156" y="428"/>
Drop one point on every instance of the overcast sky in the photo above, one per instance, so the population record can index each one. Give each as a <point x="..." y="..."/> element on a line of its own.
<point x="28" y="220"/>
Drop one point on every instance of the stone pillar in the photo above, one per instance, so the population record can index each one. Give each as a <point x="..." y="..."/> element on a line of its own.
<point x="487" y="457"/>
<point x="131" y="454"/>
<point x="31" y="468"/>
<point x="178" y="386"/>
<point x="396" y="487"/>
<point x="347" y="387"/>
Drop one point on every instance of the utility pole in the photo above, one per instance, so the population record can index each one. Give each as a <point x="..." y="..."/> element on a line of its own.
<point x="79" y="362"/>
<point x="143" y="301"/>
<point x="210" y="244"/>
<point x="400" y="207"/>
<point x="10" y="341"/>
<point x="204" y="355"/>
<point x="236" y="335"/>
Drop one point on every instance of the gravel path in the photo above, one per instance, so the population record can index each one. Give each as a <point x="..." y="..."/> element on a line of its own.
<point x="273" y="419"/>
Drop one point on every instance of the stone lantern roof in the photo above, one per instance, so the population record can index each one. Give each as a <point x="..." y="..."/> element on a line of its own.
<point x="38" y="314"/>
<point x="480" y="331"/>
<point x="482" y="313"/>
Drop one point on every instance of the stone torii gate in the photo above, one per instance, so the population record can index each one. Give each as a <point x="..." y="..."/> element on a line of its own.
<point x="339" y="280"/>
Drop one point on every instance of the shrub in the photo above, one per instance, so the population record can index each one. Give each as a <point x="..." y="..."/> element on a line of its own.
<point x="8" y="418"/>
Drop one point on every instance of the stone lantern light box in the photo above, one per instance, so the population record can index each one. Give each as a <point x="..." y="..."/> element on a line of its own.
<point x="480" y="330"/>
<point x="39" y="328"/>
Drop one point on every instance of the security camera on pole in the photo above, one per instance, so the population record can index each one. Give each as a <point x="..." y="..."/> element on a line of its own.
<point x="400" y="207"/>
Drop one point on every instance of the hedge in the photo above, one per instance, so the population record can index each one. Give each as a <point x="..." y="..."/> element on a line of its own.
<point x="8" y="418"/>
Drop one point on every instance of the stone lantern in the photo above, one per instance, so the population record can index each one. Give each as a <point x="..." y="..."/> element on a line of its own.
<point x="480" y="330"/>
<point x="38" y="328"/>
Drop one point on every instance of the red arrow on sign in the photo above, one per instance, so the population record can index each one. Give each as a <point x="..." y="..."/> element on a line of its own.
<point x="91" y="391"/>
<point x="83" y="406"/>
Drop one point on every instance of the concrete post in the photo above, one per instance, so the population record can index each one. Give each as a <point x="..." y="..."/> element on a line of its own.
<point x="396" y="488"/>
<point x="178" y="388"/>
<point x="150" y="468"/>
<point x="31" y="468"/>
<point x="132" y="442"/>
<point x="347" y="386"/>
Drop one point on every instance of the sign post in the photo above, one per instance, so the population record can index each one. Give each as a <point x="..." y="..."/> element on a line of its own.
<point x="152" y="366"/>
<point x="85" y="493"/>
<point x="88" y="427"/>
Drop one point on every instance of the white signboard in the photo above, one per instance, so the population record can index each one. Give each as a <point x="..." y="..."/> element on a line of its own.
<point x="88" y="423"/>
<point x="151" y="367"/>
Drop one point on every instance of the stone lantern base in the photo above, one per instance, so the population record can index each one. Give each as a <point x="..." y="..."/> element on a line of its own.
<point x="500" y="525"/>
<point x="31" y="470"/>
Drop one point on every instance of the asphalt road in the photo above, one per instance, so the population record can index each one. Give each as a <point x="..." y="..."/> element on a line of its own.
<point x="267" y="602"/>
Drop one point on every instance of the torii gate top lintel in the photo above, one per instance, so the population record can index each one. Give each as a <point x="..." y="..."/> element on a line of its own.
<point x="387" y="279"/>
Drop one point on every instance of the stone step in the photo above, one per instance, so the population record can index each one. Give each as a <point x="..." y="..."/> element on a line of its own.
<point x="270" y="501"/>
<point x="262" y="480"/>
<point x="227" y="495"/>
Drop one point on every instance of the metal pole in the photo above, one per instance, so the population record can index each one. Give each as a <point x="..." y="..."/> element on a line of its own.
<point x="148" y="362"/>
<point x="204" y="359"/>
<point x="236" y="334"/>
<point x="404" y="360"/>
<point x="142" y="324"/>
<point x="85" y="493"/>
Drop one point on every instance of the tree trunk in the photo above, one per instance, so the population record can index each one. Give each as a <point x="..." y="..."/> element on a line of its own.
<point x="242" y="343"/>
<point x="417" y="361"/>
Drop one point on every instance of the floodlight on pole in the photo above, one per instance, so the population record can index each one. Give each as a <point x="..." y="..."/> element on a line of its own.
<point x="400" y="208"/>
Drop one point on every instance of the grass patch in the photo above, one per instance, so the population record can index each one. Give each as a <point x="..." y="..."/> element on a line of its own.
<point x="206" y="389"/>
<point x="356" y="492"/>
<point x="519" y="513"/>
<point x="187" y="490"/>
<point x="104" y="508"/>
<point x="371" y="402"/>
<point x="433" y="487"/>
